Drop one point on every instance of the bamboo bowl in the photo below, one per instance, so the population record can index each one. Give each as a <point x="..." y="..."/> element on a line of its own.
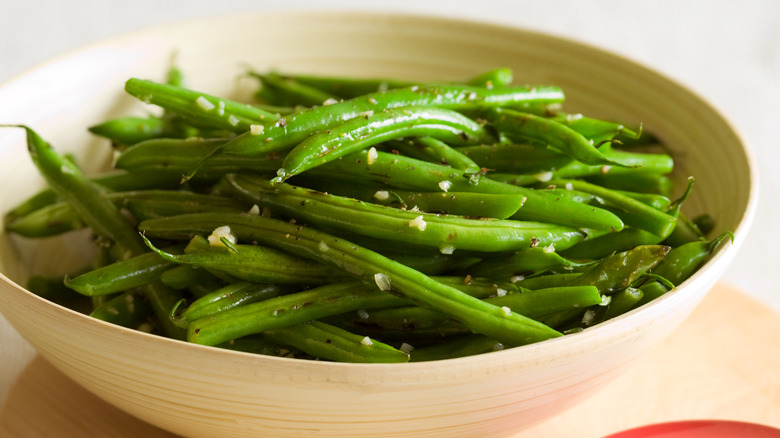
<point x="200" y="391"/>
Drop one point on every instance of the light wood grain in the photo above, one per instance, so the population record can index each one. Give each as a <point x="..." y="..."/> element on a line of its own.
<point x="720" y="364"/>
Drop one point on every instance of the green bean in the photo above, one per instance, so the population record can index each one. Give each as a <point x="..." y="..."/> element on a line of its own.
<point x="650" y="291"/>
<point x="266" y="347"/>
<point x="619" y="303"/>
<point x="328" y="342"/>
<point x="177" y="157"/>
<point x="185" y="276"/>
<point x="618" y="271"/>
<point x="532" y="304"/>
<point x="523" y="126"/>
<point x="286" y="91"/>
<point x="684" y="260"/>
<point x="437" y="151"/>
<point x="129" y="309"/>
<point x="447" y="233"/>
<point x="460" y="347"/>
<point x="113" y="180"/>
<point x="546" y="281"/>
<point x="131" y="130"/>
<point x="225" y="298"/>
<point x="287" y="310"/>
<point x="251" y="263"/>
<point x="478" y="316"/>
<point x="292" y="129"/>
<point x="609" y="243"/>
<point x="496" y="78"/>
<point x="632" y="212"/>
<point x="348" y="88"/>
<point x="705" y="223"/>
<point x="199" y="107"/>
<point x="100" y="214"/>
<point x="120" y="276"/>
<point x="596" y="130"/>
<point x="410" y="174"/>
<point x="525" y="262"/>
<point x="519" y="158"/>
<point x="643" y="182"/>
<point x="60" y="217"/>
<point x="362" y="132"/>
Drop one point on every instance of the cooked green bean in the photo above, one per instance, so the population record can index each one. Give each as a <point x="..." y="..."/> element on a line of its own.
<point x="120" y="276"/>
<point x="373" y="128"/>
<point x="199" y="107"/>
<point x="479" y="316"/>
<point x="251" y="263"/>
<point x="328" y="342"/>
<point x="447" y="233"/>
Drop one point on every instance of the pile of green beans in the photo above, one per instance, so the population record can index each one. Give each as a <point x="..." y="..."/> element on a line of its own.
<point x="366" y="220"/>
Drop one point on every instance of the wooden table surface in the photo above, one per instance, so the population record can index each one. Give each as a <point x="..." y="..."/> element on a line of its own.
<point x="722" y="363"/>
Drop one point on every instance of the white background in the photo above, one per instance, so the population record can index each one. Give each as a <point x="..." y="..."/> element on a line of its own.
<point x="726" y="51"/>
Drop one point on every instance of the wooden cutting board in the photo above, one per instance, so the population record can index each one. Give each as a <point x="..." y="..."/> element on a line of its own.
<point x="722" y="363"/>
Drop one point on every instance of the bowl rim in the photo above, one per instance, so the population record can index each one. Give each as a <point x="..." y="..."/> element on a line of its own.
<point x="581" y="339"/>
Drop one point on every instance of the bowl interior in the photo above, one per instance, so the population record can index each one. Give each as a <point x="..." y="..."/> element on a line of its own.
<point x="85" y="88"/>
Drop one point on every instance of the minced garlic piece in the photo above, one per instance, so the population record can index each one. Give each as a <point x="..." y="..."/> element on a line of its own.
<point x="204" y="103"/>
<point x="233" y="120"/>
<point x="367" y="341"/>
<point x="447" y="249"/>
<point x="445" y="185"/>
<point x="418" y="223"/>
<point x="382" y="195"/>
<point x="256" y="129"/>
<point x="507" y="311"/>
<point x="372" y="156"/>
<point x="215" y="239"/>
<point x="382" y="281"/>
<point x="543" y="176"/>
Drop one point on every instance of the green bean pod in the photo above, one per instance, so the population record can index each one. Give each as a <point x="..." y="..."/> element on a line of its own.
<point x="348" y="88"/>
<point x="60" y="217"/>
<point x="478" y="316"/>
<point x="632" y="211"/>
<point x="292" y="129"/>
<point x="523" y="126"/>
<point x="410" y="174"/>
<point x="374" y="128"/>
<point x="328" y="342"/>
<point x="286" y="91"/>
<point x="120" y="276"/>
<point x="686" y="259"/>
<point x="618" y="271"/>
<point x="199" y="107"/>
<point x="525" y="262"/>
<point x="225" y="298"/>
<point x="129" y="309"/>
<point x="131" y="130"/>
<point x="459" y="347"/>
<point x="447" y="233"/>
<point x="516" y="158"/>
<point x="288" y="310"/>
<point x="437" y="151"/>
<point x="185" y="276"/>
<point x="251" y="263"/>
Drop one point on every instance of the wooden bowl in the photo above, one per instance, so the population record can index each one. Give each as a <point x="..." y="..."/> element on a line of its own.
<point x="200" y="391"/>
